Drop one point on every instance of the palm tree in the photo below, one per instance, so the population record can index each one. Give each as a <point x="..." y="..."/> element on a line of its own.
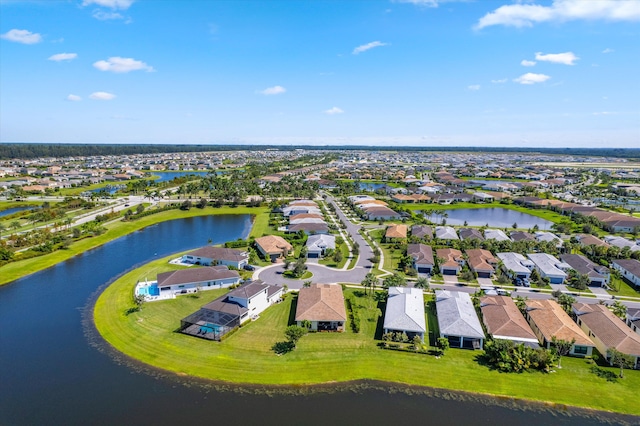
<point x="369" y="282"/>
<point x="422" y="283"/>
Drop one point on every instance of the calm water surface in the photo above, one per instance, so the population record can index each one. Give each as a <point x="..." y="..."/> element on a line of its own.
<point x="495" y="217"/>
<point x="13" y="210"/>
<point x="166" y="176"/>
<point x="52" y="374"/>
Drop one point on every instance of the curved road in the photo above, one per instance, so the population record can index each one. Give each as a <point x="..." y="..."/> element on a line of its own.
<point x="323" y="274"/>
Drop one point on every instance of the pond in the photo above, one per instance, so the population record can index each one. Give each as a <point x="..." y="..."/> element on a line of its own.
<point x="371" y="186"/>
<point x="13" y="210"/>
<point x="495" y="217"/>
<point x="109" y="189"/>
<point x="167" y="176"/>
<point x="54" y="372"/>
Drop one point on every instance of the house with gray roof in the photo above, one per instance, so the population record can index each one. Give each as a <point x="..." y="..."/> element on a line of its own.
<point x="629" y="268"/>
<point x="446" y="233"/>
<point x="317" y="245"/>
<point x="458" y="321"/>
<point x="190" y="280"/>
<point x="210" y="255"/>
<point x="621" y="242"/>
<point x="521" y="236"/>
<point x="470" y="234"/>
<point x="633" y="319"/>
<point x="495" y="234"/>
<point x="598" y="275"/>
<point x="544" y="236"/>
<point x="550" y="267"/>
<point x="405" y="312"/>
<point x="516" y="265"/>
<point x="422" y="231"/>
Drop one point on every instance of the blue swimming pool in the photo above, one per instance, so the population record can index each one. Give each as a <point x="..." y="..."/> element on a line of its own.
<point x="210" y="328"/>
<point x="151" y="290"/>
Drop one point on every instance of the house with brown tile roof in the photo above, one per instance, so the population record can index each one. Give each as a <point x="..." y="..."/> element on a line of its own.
<point x="598" y="275"/>
<point x="607" y="331"/>
<point x="451" y="261"/>
<point x="481" y="262"/>
<point x="470" y="234"/>
<point x="547" y="320"/>
<point x="503" y="320"/>
<point x="590" y="240"/>
<point x="323" y="306"/>
<point x="273" y="247"/>
<point x="422" y="231"/>
<point x="422" y="256"/>
<point x="395" y="232"/>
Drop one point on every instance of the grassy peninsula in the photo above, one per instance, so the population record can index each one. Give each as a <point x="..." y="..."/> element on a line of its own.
<point x="246" y="356"/>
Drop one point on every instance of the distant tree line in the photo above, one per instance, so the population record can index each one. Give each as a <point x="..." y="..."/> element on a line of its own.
<point x="35" y="150"/>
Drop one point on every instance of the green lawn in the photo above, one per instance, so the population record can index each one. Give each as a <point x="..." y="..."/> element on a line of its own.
<point x="246" y="356"/>
<point x="15" y="270"/>
<point x="541" y="213"/>
<point x="332" y="263"/>
<point x="625" y="289"/>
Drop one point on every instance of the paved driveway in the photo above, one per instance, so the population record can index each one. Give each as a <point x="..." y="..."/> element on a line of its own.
<point x="321" y="274"/>
<point x="450" y="279"/>
<point x="485" y="282"/>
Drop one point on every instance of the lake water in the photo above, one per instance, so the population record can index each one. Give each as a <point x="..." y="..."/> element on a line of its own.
<point x="370" y="186"/>
<point x="54" y="370"/>
<point x="166" y="176"/>
<point x="111" y="189"/>
<point x="13" y="210"/>
<point x="495" y="217"/>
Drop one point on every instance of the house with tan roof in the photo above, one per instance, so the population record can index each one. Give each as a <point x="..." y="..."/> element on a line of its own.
<point x="451" y="261"/>
<point x="503" y="320"/>
<point x="481" y="262"/>
<point x="548" y="320"/>
<point x="395" y="232"/>
<point x="607" y="331"/>
<point x="323" y="306"/>
<point x="273" y="247"/>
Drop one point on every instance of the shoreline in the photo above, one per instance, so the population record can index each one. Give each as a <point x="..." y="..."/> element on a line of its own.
<point x="309" y="369"/>
<point x="16" y="270"/>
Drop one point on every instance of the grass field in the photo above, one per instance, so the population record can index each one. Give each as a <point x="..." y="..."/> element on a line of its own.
<point x="541" y="213"/>
<point x="246" y="356"/>
<point x="15" y="270"/>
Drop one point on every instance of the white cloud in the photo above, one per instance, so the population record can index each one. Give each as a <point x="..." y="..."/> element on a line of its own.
<point x="121" y="65"/>
<point x="334" y="111"/>
<point x="63" y="57"/>
<point x="607" y="50"/>
<point x="531" y="78"/>
<point x="566" y="58"/>
<point x="106" y="16"/>
<point x="22" y="36"/>
<point x="74" y="98"/>
<point x="113" y="4"/>
<point x="526" y="15"/>
<point x="365" y="47"/>
<point x="426" y="3"/>
<point x="526" y="63"/>
<point x="474" y="87"/>
<point x="275" y="90"/>
<point x="102" y="96"/>
<point x="499" y="81"/>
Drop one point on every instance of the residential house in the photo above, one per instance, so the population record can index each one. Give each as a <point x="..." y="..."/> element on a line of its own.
<point x="451" y="261"/>
<point x="273" y="247"/>
<point x="458" y="321"/>
<point x="317" y="245"/>
<point x="422" y="256"/>
<point x="521" y="236"/>
<point x="607" y="331"/>
<point x="495" y="234"/>
<point x="381" y="213"/>
<point x="621" y="242"/>
<point x="544" y="236"/>
<point x="308" y="228"/>
<point x="405" y="312"/>
<point x="422" y="231"/>
<point x="516" y="265"/>
<point x="598" y="275"/>
<point x="323" y="306"/>
<point x="229" y="311"/>
<point x="481" y="262"/>
<point x="210" y="255"/>
<point x="586" y="240"/>
<point x="629" y="268"/>
<point x="470" y="234"/>
<point x="190" y="280"/>
<point x="483" y="197"/>
<point x="395" y="232"/>
<point x="550" y="267"/>
<point x="446" y="233"/>
<point x="503" y="320"/>
<point x="633" y="319"/>
<point x="548" y="320"/>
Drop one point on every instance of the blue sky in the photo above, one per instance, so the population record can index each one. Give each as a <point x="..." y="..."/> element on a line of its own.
<point x="560" y="73"/>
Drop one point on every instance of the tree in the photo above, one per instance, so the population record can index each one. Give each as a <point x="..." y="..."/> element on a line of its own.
<point x="564" y="300"/>
<point x="337" y="256"/>
<point x="422" y="283"/>
<point x="293" y="333"/>
<point x="562" y="347"/>
<point x="619" y="309"/>
<point x="306" y="284"/>
<point x="515" y="225"/>
<point x="394" y="280"/>
<point x="618" y="359"/>
<point x="369" y="282"/>
<point x="442" y="344"/>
